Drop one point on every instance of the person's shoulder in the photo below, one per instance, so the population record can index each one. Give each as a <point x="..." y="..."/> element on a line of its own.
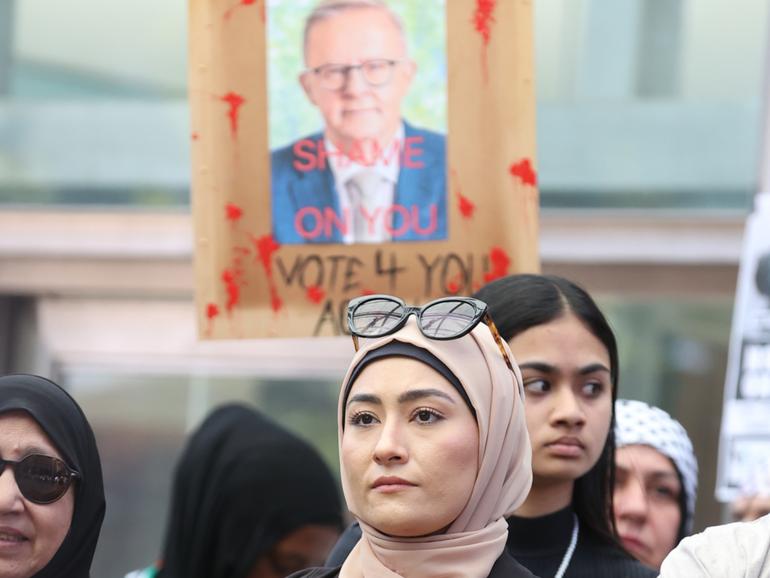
<point x="614" y="562"/>
<point x="506" y="566"/>
<point x="608" y="564"/>
<point x="611" y="559"/>
<point x="324" y="572"/>
<point x="631" y="568"/>
<point x="429" y="137"/>
<point x="742" y="547"/>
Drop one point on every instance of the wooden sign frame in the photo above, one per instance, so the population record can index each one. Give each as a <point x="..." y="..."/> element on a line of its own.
<point x="248" y="285"/>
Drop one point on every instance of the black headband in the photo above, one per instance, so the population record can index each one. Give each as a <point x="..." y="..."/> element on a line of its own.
<point x="401" y="349"/>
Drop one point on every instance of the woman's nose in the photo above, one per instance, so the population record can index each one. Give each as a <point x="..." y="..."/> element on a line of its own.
<point x="630" y="500"/>
<point x="10" y="497"/>
<point x="568" y="410"/>
<point x="391" y="445"/>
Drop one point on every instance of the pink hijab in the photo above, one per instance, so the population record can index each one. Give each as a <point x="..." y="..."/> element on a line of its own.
<point x="476" y="539"/>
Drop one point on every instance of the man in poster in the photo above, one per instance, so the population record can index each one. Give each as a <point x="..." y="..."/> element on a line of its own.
<point x="369" y="176"/>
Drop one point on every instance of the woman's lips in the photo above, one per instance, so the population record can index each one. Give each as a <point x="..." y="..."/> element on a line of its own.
<point x="633" y="545"/>
<point x="390" y="484"/>
<point x="11" y="538"/>
<point x="567" y="447"/>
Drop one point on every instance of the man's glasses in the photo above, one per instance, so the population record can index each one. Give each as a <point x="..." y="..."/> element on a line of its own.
<point x="442" y="319"/>
<point x="41" y="479"/>
<point x="376" y="72"/>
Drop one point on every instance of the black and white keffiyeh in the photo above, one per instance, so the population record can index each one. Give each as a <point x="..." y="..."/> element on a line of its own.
<point x="639" y="423"/>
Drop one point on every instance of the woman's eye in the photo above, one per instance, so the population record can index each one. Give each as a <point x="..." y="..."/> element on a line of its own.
<point x="665" y="493"/>
<point x="593" y="389"/>
<point x="536" y="386"/>
<point x="362" y="418"/>
<point x="426" y="416"/>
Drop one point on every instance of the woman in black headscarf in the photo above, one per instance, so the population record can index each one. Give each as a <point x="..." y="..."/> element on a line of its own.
<point x="51" y="492"/>
<point x="249" y="500"/>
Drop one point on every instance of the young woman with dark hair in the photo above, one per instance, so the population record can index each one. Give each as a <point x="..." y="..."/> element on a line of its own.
<point x="569" y="361"/>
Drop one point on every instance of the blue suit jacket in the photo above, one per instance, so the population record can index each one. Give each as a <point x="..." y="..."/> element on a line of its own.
<point x="421" y="191"/>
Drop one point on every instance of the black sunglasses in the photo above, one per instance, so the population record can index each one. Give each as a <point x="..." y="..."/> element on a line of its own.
<point x="41" y="479"/>
<point x="442" y="319"/>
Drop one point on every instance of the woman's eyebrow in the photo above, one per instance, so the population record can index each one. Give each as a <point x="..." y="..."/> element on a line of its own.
<point x="663" y="475"/>
<point x="365" y="398"/>
<point x="540" y="366"/>
<point x="592" y="368"/>
<point x="35" y="449"/>
<point x="415" y="394"/>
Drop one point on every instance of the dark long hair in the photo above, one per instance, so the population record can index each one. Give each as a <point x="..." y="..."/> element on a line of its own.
<point x="520" y="302"/>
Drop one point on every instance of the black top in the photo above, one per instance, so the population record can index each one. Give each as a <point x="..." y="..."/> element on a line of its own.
<point x="62" y="420"/>
<point x="539" y="545"/>
<point x="505" y="567"/>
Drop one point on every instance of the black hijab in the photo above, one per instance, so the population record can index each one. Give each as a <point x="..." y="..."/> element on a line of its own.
<point x="242" y="484"/>
<point x="61" y="418"/>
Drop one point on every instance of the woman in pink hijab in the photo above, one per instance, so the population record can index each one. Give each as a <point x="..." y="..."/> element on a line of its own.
<point x="433" y="443"/>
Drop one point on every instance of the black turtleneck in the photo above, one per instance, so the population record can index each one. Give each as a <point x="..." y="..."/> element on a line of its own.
<point x="540" y="543"/>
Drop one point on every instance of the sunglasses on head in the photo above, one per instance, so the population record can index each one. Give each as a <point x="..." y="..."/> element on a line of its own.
<point x="442" y="319"/>
<point x="41" y="479"/>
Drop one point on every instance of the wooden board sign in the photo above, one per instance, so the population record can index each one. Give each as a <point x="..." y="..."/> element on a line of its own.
<point x="345" y="147"/>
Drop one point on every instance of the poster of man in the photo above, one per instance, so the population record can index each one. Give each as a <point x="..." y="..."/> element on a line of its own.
<point x="357" y="120"/>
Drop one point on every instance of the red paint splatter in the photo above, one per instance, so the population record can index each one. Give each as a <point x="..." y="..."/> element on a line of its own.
<point x="266" y="246"/>
<point x="523" y="170"/>
<point x="466" y="205"/>
<point x="483" y="18"/>
<point x="234" y="102"/>
<point x="240" y="3"/>
<point x="212" y="311"/>
<point x="454" y="284"/>
<point x="499" y="262"/>
<point x="315" y="294"/>
<point x="231" y="280"/>
<point x="195" y="136"/>
<point x="233" y="212"/>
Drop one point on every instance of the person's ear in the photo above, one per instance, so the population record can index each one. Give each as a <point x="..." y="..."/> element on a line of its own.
<point x="307" y="86"/>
